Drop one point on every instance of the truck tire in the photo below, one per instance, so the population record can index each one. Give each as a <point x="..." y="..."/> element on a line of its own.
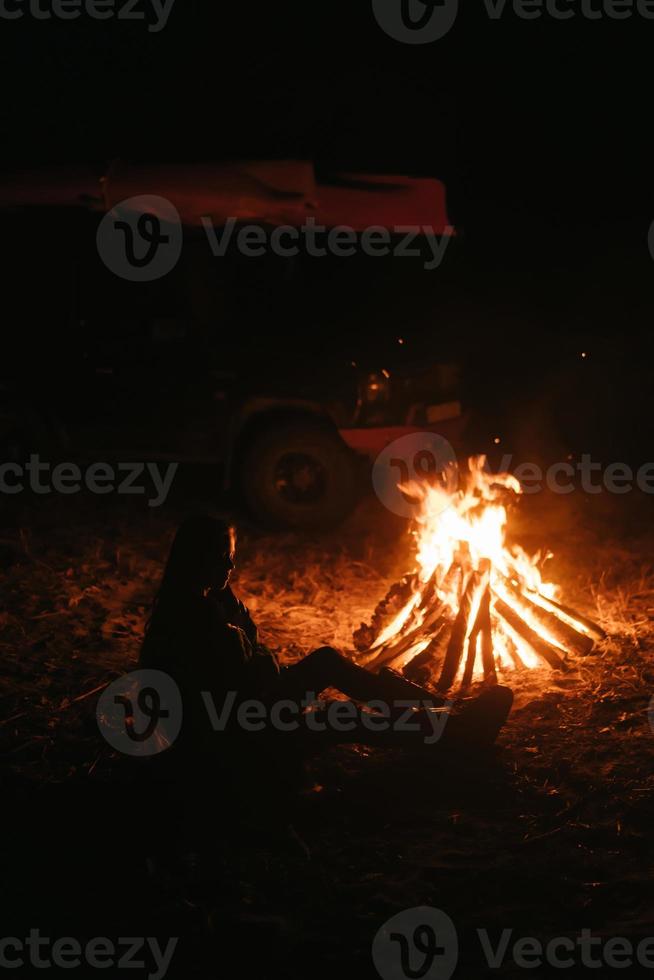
<point x="298" y="475"/>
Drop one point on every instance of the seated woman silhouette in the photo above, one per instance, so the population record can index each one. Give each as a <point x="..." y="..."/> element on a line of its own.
<point x="203" y="637"/>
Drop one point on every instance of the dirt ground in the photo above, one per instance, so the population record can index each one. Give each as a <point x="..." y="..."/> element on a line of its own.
<point x="548" y="836"/>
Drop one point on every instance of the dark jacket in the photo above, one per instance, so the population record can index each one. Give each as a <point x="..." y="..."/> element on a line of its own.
<point x="209" y="646"/>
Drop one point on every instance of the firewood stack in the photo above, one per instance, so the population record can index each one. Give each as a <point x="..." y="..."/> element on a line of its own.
<point x="418" y="629"/>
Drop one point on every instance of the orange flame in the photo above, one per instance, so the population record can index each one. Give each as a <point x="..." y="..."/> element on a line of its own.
<point x="467" y="528"/>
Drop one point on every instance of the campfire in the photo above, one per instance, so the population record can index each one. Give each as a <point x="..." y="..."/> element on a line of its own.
<point x="473" y="607"/>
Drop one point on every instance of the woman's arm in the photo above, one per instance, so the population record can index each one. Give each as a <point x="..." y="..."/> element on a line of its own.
<point x="237" y="613"/>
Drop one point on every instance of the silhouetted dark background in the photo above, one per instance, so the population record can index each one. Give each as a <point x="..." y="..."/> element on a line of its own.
<point x="539" y="128"/>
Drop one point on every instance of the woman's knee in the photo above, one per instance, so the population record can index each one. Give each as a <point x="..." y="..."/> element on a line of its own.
<point x="326" y="656"/>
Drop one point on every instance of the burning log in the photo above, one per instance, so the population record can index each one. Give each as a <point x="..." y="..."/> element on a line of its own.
<point x="471" y="656"/>
<point x="420" y="668"/>
<point x="424" y="616"/>
<point x="512" y="650"/>
<point x="593" y="628"/>
<point x="487" y="658"/>
<point x="385" y="612"/>
<point x="460" y="631"/>
<point x="481" y="640"/>
<point x="526" y="633"/>
<point x="476" y="632"/>
<point x="387" y="654"/>
<point x="417" y="669"/>
<point x="410" y="597"/>
<point x="564" y="634"/>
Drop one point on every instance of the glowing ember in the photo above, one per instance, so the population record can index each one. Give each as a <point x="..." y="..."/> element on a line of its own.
<point x="473" y="606"/>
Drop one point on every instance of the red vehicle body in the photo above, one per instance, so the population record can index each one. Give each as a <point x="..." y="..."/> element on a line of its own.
<point x="287" y="436"/>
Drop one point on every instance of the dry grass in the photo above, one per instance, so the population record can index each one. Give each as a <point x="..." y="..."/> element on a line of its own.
<point x="551" y="837"/>
<point x="77" y="599"/>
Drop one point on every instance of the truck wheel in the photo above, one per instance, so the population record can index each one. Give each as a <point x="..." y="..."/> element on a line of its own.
<point x="298" y="475"/>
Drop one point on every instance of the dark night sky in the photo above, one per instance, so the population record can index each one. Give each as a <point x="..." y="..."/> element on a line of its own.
<point x="528" y="115"/>
<point x="541" y="130"/>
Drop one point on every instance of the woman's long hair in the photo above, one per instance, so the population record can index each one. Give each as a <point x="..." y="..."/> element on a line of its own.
<point x="193" y="552"/>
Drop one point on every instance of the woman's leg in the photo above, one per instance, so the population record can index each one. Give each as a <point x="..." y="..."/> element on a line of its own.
<point x="478" y="722"/>
<point x="476" y="725"/>
<point x="326" y="667"/>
